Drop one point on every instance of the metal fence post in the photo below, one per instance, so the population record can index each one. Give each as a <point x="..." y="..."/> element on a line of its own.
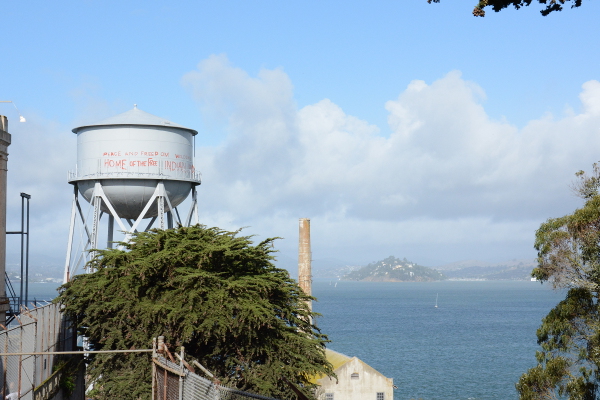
<point x="20" y="360"/>
<point x="5" y="366"/>
<point x="35" y="358"/>
<point x="153" y="367"/>
<point x="181" y="376"/>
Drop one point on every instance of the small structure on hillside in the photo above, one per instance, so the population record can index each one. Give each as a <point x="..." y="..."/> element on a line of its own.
<point x="356" y="380"/>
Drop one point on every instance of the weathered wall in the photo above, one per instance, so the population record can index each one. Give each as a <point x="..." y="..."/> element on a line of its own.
<point x="4" y="143"/>
<point x="52" y="389"/>
<point x="365" y="387"/>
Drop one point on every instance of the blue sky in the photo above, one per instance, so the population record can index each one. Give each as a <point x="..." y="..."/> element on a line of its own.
<point x="410" y="129"/>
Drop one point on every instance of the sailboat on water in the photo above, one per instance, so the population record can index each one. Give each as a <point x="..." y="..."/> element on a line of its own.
<point x="436" y="299"/>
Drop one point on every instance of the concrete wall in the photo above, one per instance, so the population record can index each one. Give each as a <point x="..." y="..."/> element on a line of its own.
<point x="51" y="388"/>
<point x="365" y="387"/>
<point x="4" y="143"/>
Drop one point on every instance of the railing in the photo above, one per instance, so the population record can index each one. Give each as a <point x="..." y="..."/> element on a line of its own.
<point x="40" y="330"/>
<point x="186" y="175"/>
<point x="171" y="381"/>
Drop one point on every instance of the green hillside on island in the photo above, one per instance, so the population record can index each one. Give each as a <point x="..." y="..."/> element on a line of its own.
<point x="393" y="269"/>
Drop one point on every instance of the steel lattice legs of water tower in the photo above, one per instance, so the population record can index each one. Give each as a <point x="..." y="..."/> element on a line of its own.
<point x="165" y="217"/>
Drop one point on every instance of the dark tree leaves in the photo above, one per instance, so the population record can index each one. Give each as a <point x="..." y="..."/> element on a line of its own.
<point x="212" y="291"/>
<point x="498" y="5"/>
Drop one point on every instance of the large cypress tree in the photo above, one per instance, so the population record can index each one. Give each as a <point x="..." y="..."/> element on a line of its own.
<point x="214" y="292"/>
<point x="569" y="337"/>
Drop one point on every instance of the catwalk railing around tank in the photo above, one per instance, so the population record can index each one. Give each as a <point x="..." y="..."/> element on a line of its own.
<point x="178" y="174"/>
<point x="191" y="176"/>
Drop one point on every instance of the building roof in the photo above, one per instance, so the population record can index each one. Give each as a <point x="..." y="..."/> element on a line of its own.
<point x="336" y="359"/>
<point x="136" y="116"/>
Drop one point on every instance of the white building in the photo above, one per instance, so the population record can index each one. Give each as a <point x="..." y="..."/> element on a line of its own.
<point x="356" y="380"/>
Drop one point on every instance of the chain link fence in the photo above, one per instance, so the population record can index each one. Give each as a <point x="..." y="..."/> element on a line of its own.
<point x="171" y="381"/>
<point x="42" y="329"/>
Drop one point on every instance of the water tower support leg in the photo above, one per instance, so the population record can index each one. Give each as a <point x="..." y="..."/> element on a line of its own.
<point x="141" y="216"/>
<point x="166" y="197"/>
<point x="161" y="212"/>
<point x="111" y="209"/>
<point x="67" y="274"/>
<point x="178" y="217"/>
<point x="80" y="258"/>
<point x="196" y="219"/>
<point x="193" y="209"/>
<point x="160" y="195"/>
<point x="150" y="224"/>
<point x="95" y="222"/>
<point x="161" y="205"/>
<point x="170" y="212"/>
<point x="87" y="231"/>
<point x="111" y="230"/>
<point x="188" y="219"/>
<point x="73" y="267"/>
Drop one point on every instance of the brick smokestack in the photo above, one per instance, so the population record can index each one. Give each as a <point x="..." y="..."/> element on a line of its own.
<point x="4" y="143"/>
<point x="304" y="258"/>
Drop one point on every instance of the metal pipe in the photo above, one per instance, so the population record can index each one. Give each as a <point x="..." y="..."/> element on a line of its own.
<point x="28" y="197"/>
<point x="21" y="297"/>
<point x="41" y="353"/>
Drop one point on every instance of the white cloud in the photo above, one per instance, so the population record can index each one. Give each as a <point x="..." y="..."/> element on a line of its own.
<point x="448" y="183"/>
<point x="447" y="171"/>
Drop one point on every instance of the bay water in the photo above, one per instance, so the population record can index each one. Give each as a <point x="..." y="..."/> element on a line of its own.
<point x="41" y="291"/>
<point x="474" y="345"/>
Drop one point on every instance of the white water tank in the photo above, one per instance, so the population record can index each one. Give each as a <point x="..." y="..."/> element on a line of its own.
<point x="129" y="154"/>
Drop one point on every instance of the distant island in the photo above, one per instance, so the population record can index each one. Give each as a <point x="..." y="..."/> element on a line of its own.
<point x="513" y="270"/>
<point x="466" y="270"/>
<point x="393" y="269"/>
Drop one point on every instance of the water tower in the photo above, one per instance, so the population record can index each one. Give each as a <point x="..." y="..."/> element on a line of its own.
<point x="130" y="167"/>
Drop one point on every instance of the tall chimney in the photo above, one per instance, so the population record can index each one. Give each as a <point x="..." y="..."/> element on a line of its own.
<point x="4" y="143"/>
<point x="304" y="259"/>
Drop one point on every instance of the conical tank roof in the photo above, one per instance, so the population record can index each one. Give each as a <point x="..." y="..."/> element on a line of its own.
<point x="136" y="116"/>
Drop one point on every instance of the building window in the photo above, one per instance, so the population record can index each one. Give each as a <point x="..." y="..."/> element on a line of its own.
<point x="354" y="376"/>
<point x="380" y="396"/>
<point x="328" y="396"/>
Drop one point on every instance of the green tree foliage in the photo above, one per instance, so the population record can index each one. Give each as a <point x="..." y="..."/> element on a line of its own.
<point x="497" y="5"/>
<point x="212" y="291"/>
<point x="569" y="257"/>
